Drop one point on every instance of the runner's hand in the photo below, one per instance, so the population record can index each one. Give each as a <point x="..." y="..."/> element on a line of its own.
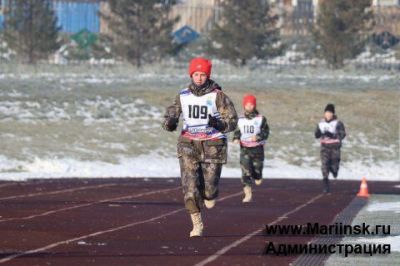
<point x="215" y="123"/>
<point x="329" y="135"/>
<point x="170" y="124"/>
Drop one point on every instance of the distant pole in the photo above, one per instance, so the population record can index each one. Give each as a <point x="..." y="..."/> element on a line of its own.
<point x="379" y="6"/>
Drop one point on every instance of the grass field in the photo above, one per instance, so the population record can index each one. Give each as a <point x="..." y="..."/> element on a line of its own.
<point x="107" y="115"/>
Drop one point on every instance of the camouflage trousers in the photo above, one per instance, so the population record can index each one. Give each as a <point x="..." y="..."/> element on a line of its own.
<point x="330" y="160"/>
<point x="200" y="164"/>
<point x="251" y="163"/>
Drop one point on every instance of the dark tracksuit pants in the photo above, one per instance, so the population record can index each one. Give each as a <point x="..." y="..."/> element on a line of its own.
<point x="330" y="161"/>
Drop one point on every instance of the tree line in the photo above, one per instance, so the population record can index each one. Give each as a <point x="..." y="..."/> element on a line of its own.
<point x="140" y="30"/>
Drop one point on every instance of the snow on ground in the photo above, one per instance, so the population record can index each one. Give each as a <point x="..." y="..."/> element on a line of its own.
<point x="384" y="206"/>
<point x="153" y="165"/>
<point x="86" y="124"/>
<point x="306" y="77"/>
<point x="383" y="210"/>
<point x="88" y="110"/>
<point x="393" y="241"/>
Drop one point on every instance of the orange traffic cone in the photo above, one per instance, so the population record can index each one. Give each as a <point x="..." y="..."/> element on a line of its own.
<point x="363" y="189"/>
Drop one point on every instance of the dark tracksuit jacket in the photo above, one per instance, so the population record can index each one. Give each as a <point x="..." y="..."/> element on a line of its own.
<point x="331" y="133"/>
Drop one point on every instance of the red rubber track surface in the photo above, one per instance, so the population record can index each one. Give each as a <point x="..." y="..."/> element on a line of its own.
<point x="143" y="222"/>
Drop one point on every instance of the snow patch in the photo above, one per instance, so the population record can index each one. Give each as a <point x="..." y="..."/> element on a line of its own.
<point x="384" y="206"/>
<point x="154" y="165"/>
<point x="393" y="241"/>
<point x="84" y="243"/>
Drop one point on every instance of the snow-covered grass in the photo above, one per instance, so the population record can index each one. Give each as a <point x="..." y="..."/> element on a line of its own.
<point x="107" y="123"/>
<point x="171" y="73"/>
<point x="156" y="165"/>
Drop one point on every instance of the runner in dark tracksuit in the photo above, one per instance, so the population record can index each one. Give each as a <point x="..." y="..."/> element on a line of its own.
<point x="331" y="132"/>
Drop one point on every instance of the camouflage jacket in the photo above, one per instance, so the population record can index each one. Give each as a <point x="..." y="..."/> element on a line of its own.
<point x="264" y="133"/>
<point x="213" y="151"/>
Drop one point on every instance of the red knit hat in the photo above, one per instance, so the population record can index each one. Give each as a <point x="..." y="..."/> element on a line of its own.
<point x="200" y="64"/>
<point x="248" y="98"/>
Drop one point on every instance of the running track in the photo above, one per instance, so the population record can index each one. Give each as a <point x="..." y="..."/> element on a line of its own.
<point x="143" y="222"/>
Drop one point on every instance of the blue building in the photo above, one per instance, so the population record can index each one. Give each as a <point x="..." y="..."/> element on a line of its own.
<point x="1" y="14"/>
<point x="1" y="22"/>
<point x="73" y="15"/>
<point x="76" y="15"/>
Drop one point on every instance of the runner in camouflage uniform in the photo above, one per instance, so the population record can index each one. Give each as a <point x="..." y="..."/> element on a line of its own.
<point x="331" y="132"/>
<point x="202" y="146"/>
<point x="252" y="132"/>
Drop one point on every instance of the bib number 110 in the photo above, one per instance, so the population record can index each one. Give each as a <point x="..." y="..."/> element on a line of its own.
<point x="248" y="129"/>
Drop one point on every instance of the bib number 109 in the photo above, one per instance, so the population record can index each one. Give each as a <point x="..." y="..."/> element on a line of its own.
<point x="197" y="111"/>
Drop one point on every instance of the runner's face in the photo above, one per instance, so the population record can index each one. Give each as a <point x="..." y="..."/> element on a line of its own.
<point x="199" y="78"/>
<point x="249" y="107"/>
<point x="328" y="115"/>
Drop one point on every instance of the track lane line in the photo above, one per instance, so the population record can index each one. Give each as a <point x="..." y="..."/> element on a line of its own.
<point x="236" y="243"/>
<point x="56" y="191"/>
<point x="84" y="205"/>
<point x="110" y="230"/>
<point x="7" y="185"/>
